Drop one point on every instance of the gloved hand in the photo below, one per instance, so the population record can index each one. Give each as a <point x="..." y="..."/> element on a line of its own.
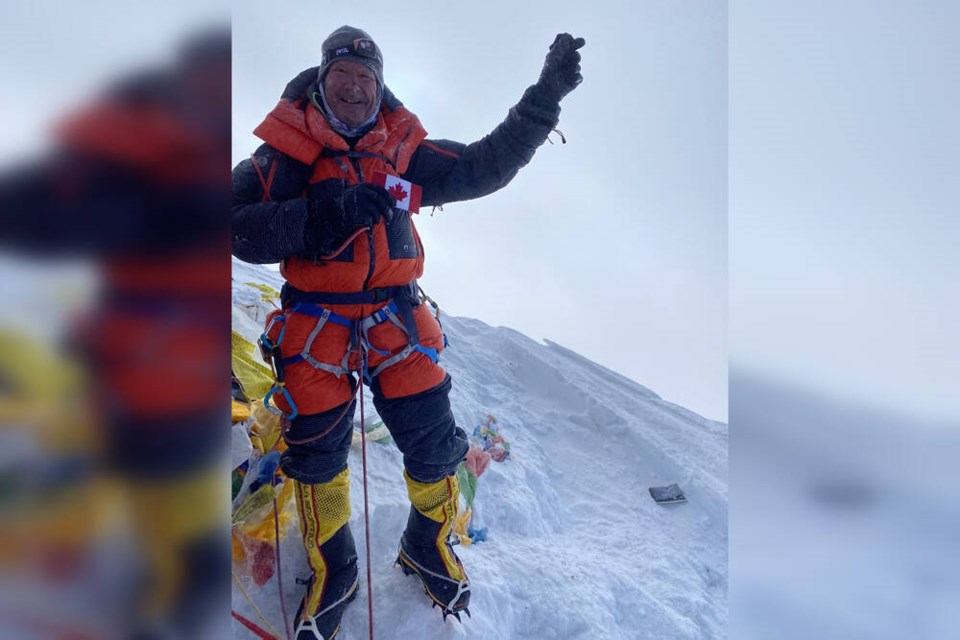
<point x="561" y="69"/>
<point x="335" y="210"/>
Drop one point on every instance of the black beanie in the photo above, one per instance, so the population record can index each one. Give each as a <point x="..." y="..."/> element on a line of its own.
<point x="356" y="45"/>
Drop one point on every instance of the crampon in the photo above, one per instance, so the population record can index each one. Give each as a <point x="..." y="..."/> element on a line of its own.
<point x="325" y="624"/>
<point x="460" y="589"/>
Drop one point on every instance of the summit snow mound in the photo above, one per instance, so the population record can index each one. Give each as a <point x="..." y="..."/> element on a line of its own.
<point x="576" y="547"/>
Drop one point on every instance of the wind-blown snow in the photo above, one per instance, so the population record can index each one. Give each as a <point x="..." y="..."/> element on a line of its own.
<point x="576" y="548"/>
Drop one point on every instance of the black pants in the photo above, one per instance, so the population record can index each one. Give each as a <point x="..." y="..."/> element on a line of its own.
<point x="422" y="425"/>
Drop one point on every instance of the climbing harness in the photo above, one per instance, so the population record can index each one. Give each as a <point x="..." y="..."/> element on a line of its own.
<point x="399" y="310"/>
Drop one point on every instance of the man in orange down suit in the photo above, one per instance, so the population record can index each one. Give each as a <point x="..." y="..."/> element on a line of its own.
<point x="351" y="258"/>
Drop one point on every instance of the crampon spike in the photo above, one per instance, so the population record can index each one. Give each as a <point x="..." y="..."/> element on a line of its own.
<point x="446" y="612"/>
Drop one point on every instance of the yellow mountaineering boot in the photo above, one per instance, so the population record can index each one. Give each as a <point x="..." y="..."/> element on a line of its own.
<point x="324" y="511"/>
<point x="425" y="549"/>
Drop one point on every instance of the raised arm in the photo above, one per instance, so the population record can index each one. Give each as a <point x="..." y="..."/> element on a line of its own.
<point x="451" y="171"/>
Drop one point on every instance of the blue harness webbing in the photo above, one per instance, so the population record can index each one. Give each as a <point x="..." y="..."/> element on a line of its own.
<point x="399" y="311"/>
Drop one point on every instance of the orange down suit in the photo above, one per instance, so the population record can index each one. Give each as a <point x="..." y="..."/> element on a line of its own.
<point x="271" y="209"/>
<point x="391" y="254"/>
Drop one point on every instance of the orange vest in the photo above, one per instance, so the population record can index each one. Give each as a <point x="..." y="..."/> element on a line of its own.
<point x="300" y="131"/>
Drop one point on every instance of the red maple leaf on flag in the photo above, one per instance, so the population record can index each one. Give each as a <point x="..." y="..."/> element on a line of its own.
<point x="398" y="192"/>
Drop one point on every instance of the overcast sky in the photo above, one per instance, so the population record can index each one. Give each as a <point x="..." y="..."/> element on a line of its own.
<point x="613" y="245"/>
<point x="844" y="148"/>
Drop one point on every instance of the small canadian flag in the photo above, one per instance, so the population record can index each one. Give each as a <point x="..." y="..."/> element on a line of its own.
<point x="406" y="193"/>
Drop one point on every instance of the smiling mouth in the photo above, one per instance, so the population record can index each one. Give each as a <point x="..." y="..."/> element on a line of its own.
<point x="351" y="101"/>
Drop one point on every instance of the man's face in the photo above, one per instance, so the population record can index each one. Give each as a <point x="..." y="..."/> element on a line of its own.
<point x="351" y="91"/>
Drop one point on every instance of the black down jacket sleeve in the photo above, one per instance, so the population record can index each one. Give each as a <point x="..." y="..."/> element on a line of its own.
<point x="267" y="231"/>
<point x="450" y="171"/>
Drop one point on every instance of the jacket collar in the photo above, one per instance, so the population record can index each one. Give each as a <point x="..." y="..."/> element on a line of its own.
<point x="297" y="128"/>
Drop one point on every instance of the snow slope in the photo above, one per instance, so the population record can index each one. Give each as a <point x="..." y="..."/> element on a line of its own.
<point x="576" y="549"/>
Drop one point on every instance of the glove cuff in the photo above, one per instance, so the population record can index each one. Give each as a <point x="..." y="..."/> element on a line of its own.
<point x="539" y="105"/>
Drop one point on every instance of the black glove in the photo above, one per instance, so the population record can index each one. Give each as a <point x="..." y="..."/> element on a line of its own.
<point x="561" y="69"/>
<point x="335" y="210"/>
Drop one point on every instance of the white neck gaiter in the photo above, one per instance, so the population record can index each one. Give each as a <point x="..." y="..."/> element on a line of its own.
<point x="339" y="126"/>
